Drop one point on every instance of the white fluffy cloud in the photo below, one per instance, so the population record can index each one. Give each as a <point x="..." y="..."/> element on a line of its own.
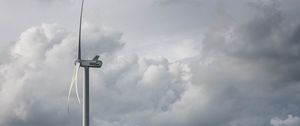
<point x="290" y="121"/>
<point x="41" y="62"/>
<point x="240" y="71"/>
<point x="38" y="73"/>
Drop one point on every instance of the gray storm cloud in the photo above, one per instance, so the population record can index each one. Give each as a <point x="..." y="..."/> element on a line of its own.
<point x="242" y="71"/>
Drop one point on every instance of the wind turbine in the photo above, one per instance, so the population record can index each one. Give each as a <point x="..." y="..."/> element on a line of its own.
<point x="86" y="64"/>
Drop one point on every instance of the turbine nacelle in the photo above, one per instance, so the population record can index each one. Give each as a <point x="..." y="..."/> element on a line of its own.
<point x="94" y="63"/>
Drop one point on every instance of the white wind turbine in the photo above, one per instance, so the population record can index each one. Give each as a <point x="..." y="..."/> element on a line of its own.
<point x="86" y="64"/>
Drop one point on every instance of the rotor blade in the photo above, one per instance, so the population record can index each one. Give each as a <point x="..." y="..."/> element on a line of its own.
<point x="76" y="80"/>
<point x="80" y="22"/>
<point x="71" y="85"/>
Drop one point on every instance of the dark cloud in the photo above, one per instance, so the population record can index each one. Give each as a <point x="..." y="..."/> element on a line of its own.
<point x="251" y="69"/>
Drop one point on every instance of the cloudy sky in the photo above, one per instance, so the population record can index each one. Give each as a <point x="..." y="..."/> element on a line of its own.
<point x="166" y="62"/>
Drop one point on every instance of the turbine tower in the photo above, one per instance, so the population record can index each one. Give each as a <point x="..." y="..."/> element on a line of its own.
<point x="86" y="64"/>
